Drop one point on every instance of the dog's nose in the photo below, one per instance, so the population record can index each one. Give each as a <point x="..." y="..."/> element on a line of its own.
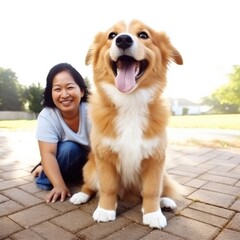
<point x="124" y="41"/>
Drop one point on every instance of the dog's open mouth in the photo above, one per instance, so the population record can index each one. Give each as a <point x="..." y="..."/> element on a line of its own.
<point x="127" y="71"/>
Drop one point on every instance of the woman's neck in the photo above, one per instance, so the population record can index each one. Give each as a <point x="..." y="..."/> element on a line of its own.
<point x="72" y="120"/>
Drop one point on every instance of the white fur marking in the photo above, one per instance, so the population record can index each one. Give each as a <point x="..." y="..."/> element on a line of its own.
<point x="79" y="198"/>
<point x="103" y="215"/>
<point x="155" y="219"/>
<point x="136" y="50"/>
<point x="167" y="203"/>
<point x="131" y="121"/>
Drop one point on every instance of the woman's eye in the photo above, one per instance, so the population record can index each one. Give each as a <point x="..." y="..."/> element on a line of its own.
<point x="57" y="89"/>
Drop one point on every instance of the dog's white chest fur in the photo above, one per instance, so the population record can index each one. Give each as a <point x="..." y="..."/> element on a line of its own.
<point x="131" y="121"/>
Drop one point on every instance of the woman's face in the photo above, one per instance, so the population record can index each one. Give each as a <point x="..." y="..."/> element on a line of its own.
<point x="66" y="93"/>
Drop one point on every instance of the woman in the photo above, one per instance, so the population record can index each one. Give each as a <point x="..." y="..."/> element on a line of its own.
<point x="62" y="131"/>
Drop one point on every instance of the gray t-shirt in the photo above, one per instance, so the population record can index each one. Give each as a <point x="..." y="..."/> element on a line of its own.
<point x="52" y="128"/>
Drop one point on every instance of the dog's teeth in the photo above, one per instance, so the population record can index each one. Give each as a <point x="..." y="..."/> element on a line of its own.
<point x="137" y="70"/>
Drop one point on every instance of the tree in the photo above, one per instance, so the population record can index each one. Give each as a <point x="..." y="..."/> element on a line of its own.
<point x="230" y="93"/>
<point x="218" y="107"/>
<point x="226" y="99"/>
<point x="34" y="97"/>
<point x="10" y="91"/>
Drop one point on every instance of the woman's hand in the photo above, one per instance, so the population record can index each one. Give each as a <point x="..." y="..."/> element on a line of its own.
<point x="61" y="192"/>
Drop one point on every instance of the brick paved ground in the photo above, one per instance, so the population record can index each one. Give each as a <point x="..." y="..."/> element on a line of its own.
<point x="210" y="210"/>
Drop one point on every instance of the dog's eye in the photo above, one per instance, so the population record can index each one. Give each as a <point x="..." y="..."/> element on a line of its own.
<point x="112" y="35"/>
<point x="143" y="35"/>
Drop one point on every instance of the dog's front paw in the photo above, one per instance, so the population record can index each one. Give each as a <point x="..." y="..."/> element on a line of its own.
<point x="155" y="219"/>
<point x="79" y="198"/>
<point x="103" y="215"/>
<point x="167" y="204"/>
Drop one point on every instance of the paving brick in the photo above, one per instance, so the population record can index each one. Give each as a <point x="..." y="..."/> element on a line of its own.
<point x="63" y="207"/>
<point x="12" y="183"/>
<point x="22" y="197"/>
<point x="219" y="179"/>
<point x="14" y="174"/>
<point x="42" y="195"/>
<point x="15" y="166"/>
<point x="159" y="234"/>
<point x="223" y="168"/>
<point x="74" y="220"/>
<point x="196" y="183"/>
<point x="48" y="230"/>
<point x="191" y="169"/>
<point x="211" y="206"/>
<point x="226" y="174"/>
<point x="181" y="179"/>
<point x="217" y="211"/>
<point x="132" y="231"/>
<point x="236" y="169"/>
<point x="207" y="166"/>
<point x="90" y="206"/>
<point x="134" y="214"/>
<point x="34" y="215"/>
<point x="189" y="190"/>
<point x="30" y="187"/>
<point x="101" y="230"/>
<point x="222" y="188"/>
<point x="236" y="205"/>
<point x="227" y="234"/>
<point x="8" y="227"/>
<point x="194" y="160"/>
<point x="191" y="229"/>
<point x="26" y="234"/>
<point x="3" y="198"/>
<point x="235" y="223"/>
<point x="214" y="198"/>
<point x="9" y="207"/>
<point x="204" y="217"/>
<point x="175" y="171"/>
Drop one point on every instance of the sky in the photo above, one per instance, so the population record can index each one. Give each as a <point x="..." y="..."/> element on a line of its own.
<point x="37" y="34"/>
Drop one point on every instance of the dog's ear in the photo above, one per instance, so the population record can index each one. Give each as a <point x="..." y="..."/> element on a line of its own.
<point x="94" y="48"/>
<point x="88" y="58"/>
<point x="168" y="50"/>
<point x="176" y="56"/>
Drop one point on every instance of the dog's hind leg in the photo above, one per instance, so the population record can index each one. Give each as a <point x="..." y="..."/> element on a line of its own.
<point x="167" y="204"/>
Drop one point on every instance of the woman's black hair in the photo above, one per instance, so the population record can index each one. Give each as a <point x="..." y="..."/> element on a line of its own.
<point x="47" y="94"/>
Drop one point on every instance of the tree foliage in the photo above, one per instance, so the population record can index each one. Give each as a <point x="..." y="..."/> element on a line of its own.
<point x="226" y="99"/>
<point x="15" y="97"/>
<point x="230" y="93"/>
<point x="11" y="98"/>
<point x="35" y="93"/>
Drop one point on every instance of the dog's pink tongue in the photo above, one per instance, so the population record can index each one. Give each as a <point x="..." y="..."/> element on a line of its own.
<point x="125" y="79"/>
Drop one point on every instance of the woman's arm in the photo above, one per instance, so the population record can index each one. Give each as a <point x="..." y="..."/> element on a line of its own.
<point x="51" y="168"/>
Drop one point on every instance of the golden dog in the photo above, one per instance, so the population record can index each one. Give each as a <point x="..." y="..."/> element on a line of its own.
<point x="129" y="119"/>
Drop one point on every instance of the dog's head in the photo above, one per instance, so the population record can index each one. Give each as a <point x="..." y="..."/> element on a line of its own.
<point x="132" y="56"/>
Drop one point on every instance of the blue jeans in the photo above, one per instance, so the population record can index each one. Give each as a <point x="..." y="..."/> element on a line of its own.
<point x="71" y="158"/>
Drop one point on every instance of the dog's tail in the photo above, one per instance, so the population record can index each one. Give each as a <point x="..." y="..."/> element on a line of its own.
<point x="172" y="188"/>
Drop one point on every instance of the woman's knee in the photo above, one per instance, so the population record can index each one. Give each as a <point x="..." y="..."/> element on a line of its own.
<point x="69" y="152"/>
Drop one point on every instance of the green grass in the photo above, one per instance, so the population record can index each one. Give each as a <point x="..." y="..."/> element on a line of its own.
<point x="221" y="121"/>
<point x="18" y="124"/>
<point x="224" y="121"/>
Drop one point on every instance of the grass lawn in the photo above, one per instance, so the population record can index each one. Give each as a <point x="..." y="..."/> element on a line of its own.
<point x="224" y="121"/>
<point x="18" y="124"/>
